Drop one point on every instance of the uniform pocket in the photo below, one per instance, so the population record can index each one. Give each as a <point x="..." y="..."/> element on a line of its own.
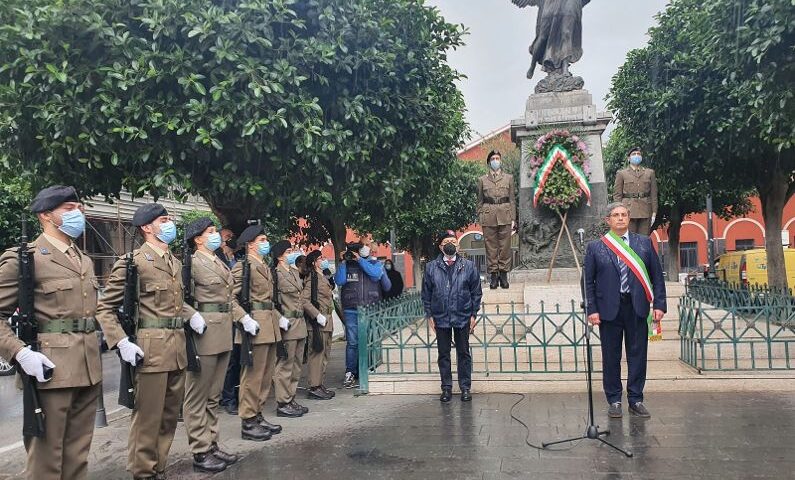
<point x="154" y="289"/>
<point x="56" y="347"/>
<point x="57" y="295"/>
<point x="153" y="342"/>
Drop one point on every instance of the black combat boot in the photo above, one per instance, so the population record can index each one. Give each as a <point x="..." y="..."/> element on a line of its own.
<point x="504" y="279"/>
<point x="330" y="393"/>
<point x="317" y="393"/>
<point x="227" y="458"/>
<point x="494" y="280"/>
<point x="300" y="407"/>
<point x="272" y="427"/>
<point x="206" y="462"/>
<point x="287" y="410"/>
<point x="252" y="430"/>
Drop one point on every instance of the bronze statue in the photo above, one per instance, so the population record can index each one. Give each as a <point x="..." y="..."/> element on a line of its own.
<point x="558" y="42"/>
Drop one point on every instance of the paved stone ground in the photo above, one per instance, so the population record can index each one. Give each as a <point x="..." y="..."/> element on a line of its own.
<point x="691" y="435"/>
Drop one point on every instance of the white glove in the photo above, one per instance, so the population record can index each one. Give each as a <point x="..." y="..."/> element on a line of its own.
<point x="34" y="363"/>
<point x="653" y="216"/>
<point x="321" y="319"/>
<point x="130" y="352"/>
<point x="250" y="325"/>
<point x="197" y="323"/>
<point x="284" y="324"/>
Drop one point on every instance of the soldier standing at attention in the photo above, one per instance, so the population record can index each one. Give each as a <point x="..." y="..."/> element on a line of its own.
<point x="65" y="301"/>
<point x="213" y="288"/>
<point x="256" y="380"/>
<point x="497" y="212"/>
<point x="290" y="289"/>
<point x="636" y="188"/>
<point x="159" y="379"/>
<point x="318" y="306"/>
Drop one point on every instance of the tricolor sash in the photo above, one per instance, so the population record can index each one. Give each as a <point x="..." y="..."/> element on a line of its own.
<point x="627" y="255"/>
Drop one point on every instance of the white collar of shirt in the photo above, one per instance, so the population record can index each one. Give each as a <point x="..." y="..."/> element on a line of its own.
<point x="63" y="247"/>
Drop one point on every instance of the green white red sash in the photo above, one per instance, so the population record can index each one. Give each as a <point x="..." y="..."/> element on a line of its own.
<point x="560" y="154"/>
<point x="627" y="255"/>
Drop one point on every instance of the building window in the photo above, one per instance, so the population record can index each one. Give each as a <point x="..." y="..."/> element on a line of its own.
<point x="744" y="244"/>
<point x="688" y="256"/>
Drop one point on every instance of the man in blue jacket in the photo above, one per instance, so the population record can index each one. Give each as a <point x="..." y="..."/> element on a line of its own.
<point x="623" y="283"/>
<point x="451" y="295"/>
<point x="362" y="281"/>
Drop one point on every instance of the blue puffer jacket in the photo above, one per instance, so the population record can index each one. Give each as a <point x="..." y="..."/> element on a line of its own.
<point x="451" y="294"/>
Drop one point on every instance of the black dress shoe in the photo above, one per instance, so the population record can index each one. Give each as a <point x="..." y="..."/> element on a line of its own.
<point x="504" y="280"/>
<point x="330" y="393"/>
<point x="639" y="410"/>
<point x="446" y="396"/>
<point x="205" y="462"/>
<point x="317" y="393"/>
<point x="227" y="458"/>
<point x="287" y="410"/>
<point x="494" y="281"/>
<point x="300" y="407"/>
<point x="466" y="395"/>
<point x="271" y="427"/>
<point x="252" y="430"/>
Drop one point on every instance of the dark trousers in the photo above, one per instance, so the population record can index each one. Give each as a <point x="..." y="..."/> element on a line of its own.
<point x="444" y="337"/>
<point x="641" y="226"/>
<point x="232" y="380"/>
<point x="634" y="331"/>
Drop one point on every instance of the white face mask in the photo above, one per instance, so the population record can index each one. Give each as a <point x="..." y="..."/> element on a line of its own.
<point x="364" y="252"/>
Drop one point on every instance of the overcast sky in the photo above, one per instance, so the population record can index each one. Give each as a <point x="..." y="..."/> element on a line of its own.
<point x="495" y="58"/>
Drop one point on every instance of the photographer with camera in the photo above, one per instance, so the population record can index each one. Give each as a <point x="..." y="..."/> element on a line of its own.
<point x="362" y="281"/>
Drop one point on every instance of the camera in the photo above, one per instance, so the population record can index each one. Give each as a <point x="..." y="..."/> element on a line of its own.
<point x="351" y="248"/>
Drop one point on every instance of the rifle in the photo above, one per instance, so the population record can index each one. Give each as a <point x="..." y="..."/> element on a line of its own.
<point x="128" y="315"/>
<point x="281" y="348"/>
<point x="246" y="350"/>
<point x="28" y="332"/>
<point x="317" y="341"/>
<point x="194" y="365"/>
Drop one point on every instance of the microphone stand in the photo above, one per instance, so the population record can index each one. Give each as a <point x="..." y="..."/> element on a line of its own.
<point x="592" y="431"/>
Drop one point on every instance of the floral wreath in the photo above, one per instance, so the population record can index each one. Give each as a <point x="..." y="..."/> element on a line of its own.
<point x="560" y="166"/>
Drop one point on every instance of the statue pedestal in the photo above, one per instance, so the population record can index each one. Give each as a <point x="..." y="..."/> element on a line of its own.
<point x="538" y="227"/>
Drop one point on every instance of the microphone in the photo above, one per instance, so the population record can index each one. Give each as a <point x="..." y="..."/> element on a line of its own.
<point x="581" y="234"/>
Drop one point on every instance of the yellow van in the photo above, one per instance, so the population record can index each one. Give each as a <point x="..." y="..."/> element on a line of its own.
<point x="749" y="267"/>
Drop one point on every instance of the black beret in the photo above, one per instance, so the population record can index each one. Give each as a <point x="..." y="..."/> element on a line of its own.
<point x="313" y="256"/>
<point x="197" y="227"/>
<point x="633" y="149"/>
<point x="280" y="247"/>
<point x="50" y="197"/>
<point x="147" y="214"/>
<point x="444" y="235"/>
<point x="249" y="234"/>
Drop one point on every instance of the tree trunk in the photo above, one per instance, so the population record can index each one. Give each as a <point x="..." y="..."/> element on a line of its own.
<point x="773" y="194"/>
<point x="338" y="233"/>
<point x="416" y="255"/>
<point x="674" y="230"/>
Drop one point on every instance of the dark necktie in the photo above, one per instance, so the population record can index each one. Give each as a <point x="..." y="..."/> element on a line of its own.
<point x="624" y="270"/>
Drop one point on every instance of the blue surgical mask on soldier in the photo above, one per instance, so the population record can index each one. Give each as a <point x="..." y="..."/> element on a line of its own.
<point x="213" y="241"/>
<point x="168" y="232"/>
<point x="635" y="159"/>
<point x="73" y="223"/>
<point x="291" y="257"/>
<point x="495" y="164"/>
<point x="264" y="248"/>
<point x="364" y="252"/>
<point x="324" y="264"/>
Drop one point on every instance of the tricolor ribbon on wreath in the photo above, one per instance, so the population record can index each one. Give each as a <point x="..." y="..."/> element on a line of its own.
<point x="560" y="154"/>
<point x="627" y="255"/>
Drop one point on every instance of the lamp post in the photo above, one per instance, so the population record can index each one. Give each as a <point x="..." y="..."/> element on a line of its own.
<point x="710" y="241"/>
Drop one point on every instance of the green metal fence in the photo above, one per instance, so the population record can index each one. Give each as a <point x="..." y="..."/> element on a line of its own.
<point x="394" y="338"/>
<point x="725" y="327"/>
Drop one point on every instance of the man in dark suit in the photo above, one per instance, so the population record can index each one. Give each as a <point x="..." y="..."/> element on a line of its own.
<point x="623" y="282"/>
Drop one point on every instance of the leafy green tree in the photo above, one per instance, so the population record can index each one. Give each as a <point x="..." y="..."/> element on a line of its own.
<point x="274" y="109"/>
<point x="15" y="198"/>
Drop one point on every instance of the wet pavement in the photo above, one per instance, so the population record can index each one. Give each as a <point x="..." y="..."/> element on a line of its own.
<point x="691" y="435"/>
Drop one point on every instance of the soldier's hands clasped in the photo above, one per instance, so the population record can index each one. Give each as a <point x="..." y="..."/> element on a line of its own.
<point x="34" y="364"/>
<point x="197" y="323"/>
<point x="250" y="325"/>
<point x="130" y="352"/>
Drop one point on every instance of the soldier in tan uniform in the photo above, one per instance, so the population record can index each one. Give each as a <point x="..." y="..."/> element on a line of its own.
<point x="65" y="301"/>
<point x="318" y="307"/>
<point x="497" y="212"/>
<point x="161" y="357"/>
<point x="636" y="188"/>
<point x="213" y="288"/>
<point x="256" y="380"/>
<point x="290" y="289"/>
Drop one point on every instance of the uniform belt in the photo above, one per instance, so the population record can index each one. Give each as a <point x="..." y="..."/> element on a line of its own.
<point x="637" y="195"/>
<point x="496" y="201"/>
<point x="262" y="305"/>
<point x="215" y="307"/>
<point x="69" y="325"/>
<point x="293" y="314"/>
<point x="168" y="323"/>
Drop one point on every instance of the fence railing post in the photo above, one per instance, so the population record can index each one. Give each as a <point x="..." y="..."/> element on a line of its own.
<point x="363" y="315"/>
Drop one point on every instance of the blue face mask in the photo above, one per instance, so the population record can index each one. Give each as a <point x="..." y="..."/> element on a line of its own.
<point x="73" y="223"/>
<point x="291" y="257"/>
<point x="264" y="248"/>
<point x="495" y="164"/>
<point x="635" y="159"/>
<point x="324" y="265"/>
<point x="168" y="232"/>
<point x="213" y="241"/>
